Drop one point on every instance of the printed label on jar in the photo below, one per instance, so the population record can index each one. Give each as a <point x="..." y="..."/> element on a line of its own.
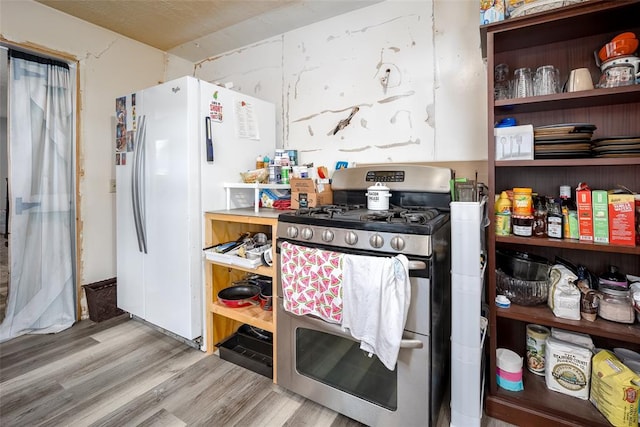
<point x="536" y="337"/>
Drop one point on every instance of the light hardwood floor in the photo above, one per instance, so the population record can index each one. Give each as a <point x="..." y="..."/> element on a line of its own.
<point x="122" y="372"/>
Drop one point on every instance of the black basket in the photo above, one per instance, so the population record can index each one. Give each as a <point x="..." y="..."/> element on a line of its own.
<point x="102" y="299"/>
<point x="248" y="352"/>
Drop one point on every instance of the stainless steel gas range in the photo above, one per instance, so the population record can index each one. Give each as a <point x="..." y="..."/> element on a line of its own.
<point x="318" y="358"/>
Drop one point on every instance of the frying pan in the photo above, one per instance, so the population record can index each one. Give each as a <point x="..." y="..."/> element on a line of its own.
<point x="239" y="295"/>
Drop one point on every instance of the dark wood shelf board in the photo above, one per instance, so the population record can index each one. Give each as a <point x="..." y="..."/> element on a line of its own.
<point x="566" y="23"/>
<point x="611" y="161"/>
<point x="569" y="244"/>
<point x="566" y="100"/>
<point x="542" y="315"/>
<point x="537" y="405"/>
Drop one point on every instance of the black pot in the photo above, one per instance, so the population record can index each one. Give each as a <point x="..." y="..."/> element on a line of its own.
<point x="523" y="266"/>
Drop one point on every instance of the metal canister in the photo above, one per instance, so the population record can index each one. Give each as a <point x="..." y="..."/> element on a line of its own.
<point x="536" y="346"/>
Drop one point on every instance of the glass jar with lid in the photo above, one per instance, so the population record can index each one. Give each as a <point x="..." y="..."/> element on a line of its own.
<point x="616" y="305"/>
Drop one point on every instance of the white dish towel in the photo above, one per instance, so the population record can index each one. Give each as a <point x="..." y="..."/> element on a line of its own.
<point x="376" y="293"/>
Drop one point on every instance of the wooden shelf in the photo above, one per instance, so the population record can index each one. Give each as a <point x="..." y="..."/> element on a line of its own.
<point x="566" y="38"/>
<point x="542" y="315"/>
<point x="253" y="315"/>
<point x="561" y="101"/>
<point x="610" y="161"/>
<point x="223" y="321"/>
<point x="568" y="244"/>
<point x="540" y="406"/>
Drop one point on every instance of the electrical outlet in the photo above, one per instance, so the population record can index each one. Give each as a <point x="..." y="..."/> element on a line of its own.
<point x="112" y="186"/>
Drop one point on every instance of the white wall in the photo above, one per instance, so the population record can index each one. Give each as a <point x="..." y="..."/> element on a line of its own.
<point x="434" y="106"/>
<point x="110" y="65"/>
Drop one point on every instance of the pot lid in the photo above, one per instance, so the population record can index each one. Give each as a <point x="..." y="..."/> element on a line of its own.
<point x="379" y="186"/>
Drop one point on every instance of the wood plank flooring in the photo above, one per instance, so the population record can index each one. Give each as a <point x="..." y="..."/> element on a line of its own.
<point x="122" y="372"/>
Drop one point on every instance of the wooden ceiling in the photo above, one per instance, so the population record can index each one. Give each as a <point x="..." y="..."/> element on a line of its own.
<point x="197" y="29"/>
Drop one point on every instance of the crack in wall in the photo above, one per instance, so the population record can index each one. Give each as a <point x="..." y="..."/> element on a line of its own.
<point x="102" y="52"/>
<point x="354" y="150"/>
<point x="399" y="144"/>
<point x="302" y="119"/>
<point x="396" y="97"/>
<point x="234" y="52"/>
<point x="367" y="28"/>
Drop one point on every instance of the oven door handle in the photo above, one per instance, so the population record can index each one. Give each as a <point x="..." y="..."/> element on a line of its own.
<point x="417" y="265"/>
<point x="413" y="265"/>
<point x="337" y="330"/>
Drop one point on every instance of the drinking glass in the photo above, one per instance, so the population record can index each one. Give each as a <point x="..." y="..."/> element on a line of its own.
<point x="523" y="83"/>
<point x="546" y="80"/>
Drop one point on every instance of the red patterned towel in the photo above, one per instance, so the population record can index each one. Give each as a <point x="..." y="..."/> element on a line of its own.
<point x="311" y="282"/>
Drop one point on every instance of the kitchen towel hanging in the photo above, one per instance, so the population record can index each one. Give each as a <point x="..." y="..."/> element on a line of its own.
<point x="312" y="282"/>
<point x="375" y="302"/>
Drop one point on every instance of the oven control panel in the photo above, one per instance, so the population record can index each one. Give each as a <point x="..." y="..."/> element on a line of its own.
<point x="333" y="238"/>
<point x="385" y="176"/>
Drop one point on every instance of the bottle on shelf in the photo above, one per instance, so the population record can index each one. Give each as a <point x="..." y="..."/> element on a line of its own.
<point x="540" y="217"/>
<point x="503" y="215"/>
<point x="569" y="214"/>
<point x="554" y="218"/>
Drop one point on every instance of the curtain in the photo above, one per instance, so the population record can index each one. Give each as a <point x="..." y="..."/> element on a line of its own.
<point x="42" y="292"/>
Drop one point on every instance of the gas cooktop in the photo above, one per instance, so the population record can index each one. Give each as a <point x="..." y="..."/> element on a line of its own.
<point x="405" y="220"/>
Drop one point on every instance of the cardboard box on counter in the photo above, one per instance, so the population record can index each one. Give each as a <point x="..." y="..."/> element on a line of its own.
<point x="305" y="192"/>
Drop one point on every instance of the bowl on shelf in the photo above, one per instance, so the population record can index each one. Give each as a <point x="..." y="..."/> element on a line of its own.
<point x="522" y="292"/>
<point x="618" y="48"/>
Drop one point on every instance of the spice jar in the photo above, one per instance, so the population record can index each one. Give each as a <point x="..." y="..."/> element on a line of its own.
<point x="522" y="202"/>
<point x="522" y="225"/>
<point x="616" y="305"/>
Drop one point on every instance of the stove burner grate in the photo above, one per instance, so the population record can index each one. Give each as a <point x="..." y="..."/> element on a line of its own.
<point x="326" y="211"/>
<point x="408" y="216"/>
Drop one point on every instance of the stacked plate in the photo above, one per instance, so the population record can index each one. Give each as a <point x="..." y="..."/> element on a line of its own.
<point x="563" y="141"/>
<point x="617" y="146"/>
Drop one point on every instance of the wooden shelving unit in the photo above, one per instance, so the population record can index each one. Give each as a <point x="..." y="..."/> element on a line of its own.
<point x="222" y="321"/>
<point x="565" y="38"/>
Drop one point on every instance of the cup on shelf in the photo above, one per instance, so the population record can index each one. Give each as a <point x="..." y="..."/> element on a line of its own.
<point x="579" y="79"/>
<point x="523" y="83"/>
<point x="546" y="81"/>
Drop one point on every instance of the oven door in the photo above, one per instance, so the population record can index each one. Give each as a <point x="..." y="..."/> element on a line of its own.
<point x="322" y="362"/>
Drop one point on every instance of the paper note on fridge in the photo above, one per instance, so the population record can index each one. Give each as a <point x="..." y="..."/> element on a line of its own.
<point x="246" y="120"/>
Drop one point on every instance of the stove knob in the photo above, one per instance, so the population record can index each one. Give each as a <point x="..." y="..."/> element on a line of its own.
<point x="327" y="235"/>
<point x="397" y="243"/>
<point x="307" y="233"/>
<point x="351" y="238"/>
<point x="292" y="232"/>
<point x="376" y="241"/>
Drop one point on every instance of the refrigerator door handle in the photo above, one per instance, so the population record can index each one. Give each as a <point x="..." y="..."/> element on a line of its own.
<point x="135" y="186"/>
<point x="142" y="183"/>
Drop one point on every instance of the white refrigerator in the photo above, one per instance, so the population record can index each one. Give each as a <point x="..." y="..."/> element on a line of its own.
<point x="176" y="144"/>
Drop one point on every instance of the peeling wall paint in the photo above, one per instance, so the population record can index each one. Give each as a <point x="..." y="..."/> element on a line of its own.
<point x="399" y="62"/>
